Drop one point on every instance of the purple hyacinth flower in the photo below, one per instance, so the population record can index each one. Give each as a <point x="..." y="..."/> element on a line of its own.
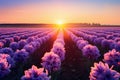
<point x="16" y="38"/>
<point x="118" y="46"/>
<point x="59" y="50"/>
<point x="91" y="51"/>
<point x="105" y="44"/>
<point x="81" y="44"/>
<point x="35" y="74"/>
<point x="30" y="39"/>
<point x="22" y="43"/>
<point x="14" y="46"/>
<point x="112" y="57"/>
<point x="101" y="71"/>
<point x="7" y="51"/>
<point x="21" y="56"/>
<point x="51" y="61"/>
<point x="1" y="45"/>
<point x="9" y="59"/>
<point x="29" y="48"/>
<point x="4" y="67"/>
<point x="8" y="41"/>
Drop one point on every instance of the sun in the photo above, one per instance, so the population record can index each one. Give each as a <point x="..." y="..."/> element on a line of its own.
<point x="60" y="24"/>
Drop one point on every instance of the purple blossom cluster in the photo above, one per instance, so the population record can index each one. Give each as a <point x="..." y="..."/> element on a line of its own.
<point x="110" y="37"/>
<point x="21" y="56"/>
<point x="101" y="71"/>
<point x="29" y="48"/>
<point x="98" y="41"/>
<point x="91" y="52"/>
<point x="7" y="50"/>
<point x="1" y="45"/>
<point x="112" y="57"/>
<point x="51" y="61"/>
<point x="35" y="44"/>
<point x="4" y="65"/>
<point x="22" y="43"/>
<point x="117" y="39"/>
<point x="58" y="46"/>
<point x="118" y="46"/>
<point x="108" y="44"/>
<point x="3" y="41"/>
<point x="8" y="41"/>
<point x="30" y="39"/>
<point x="9" y="59"/>
<point x="16" y="38"/>
<point x="35" y="74"/>
<point x="81" y="44"/>
<point x="14" y="46"/>
<point x="59" y="50"/>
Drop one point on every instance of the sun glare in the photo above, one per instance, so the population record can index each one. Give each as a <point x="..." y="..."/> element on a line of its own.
<point x="60" y="23"/>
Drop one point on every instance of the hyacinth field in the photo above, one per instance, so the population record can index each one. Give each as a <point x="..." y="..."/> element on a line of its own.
<point x="74" y="53"/>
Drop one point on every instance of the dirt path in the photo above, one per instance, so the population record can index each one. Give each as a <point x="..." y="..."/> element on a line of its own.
<point x="75" y="66"/>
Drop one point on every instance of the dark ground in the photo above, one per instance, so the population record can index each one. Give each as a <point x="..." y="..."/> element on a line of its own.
<point x="75" y="66"/>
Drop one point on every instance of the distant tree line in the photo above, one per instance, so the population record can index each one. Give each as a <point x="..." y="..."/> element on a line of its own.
<point x="54" y="25"/>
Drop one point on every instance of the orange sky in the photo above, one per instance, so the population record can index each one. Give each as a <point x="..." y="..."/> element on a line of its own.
<point x="70" y="13"/>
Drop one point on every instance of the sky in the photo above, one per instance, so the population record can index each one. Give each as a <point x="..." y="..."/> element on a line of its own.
<point x="69" y="11"/>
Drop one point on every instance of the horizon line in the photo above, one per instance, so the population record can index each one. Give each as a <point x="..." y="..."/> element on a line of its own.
<point x="64" y="23"/>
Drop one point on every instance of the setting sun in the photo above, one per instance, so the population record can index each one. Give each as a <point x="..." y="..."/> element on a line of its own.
<point x="60" y="23"/>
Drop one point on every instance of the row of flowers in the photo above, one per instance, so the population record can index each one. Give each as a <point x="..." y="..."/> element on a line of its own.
<point x="28" y="36"/>
<point x="103" y="42"/>
<point x="9" y="58"/>
<point x="12" y="32"/>
<point x="87" y="49"/>
<point x="51" y="61"/>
